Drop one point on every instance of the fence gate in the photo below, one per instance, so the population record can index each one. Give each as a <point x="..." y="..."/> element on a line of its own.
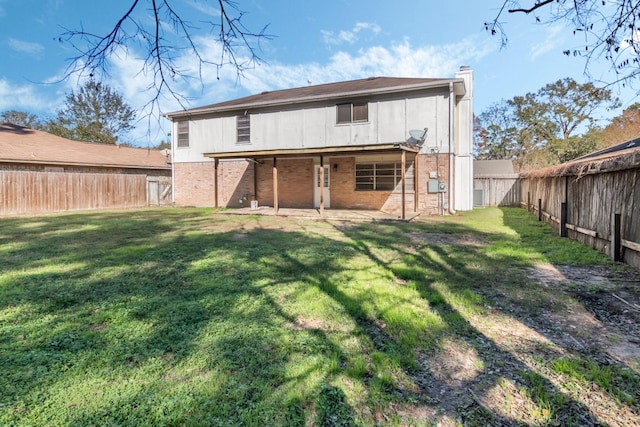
<point x="159" y="191"/>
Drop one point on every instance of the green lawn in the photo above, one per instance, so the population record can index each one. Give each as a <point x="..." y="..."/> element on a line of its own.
<point x="181" y="317"/>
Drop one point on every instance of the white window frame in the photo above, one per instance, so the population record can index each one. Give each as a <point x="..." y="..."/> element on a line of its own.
<point x="380" y="173"/>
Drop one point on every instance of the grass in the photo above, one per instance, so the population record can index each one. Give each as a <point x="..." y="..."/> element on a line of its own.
<point x="178" y="317"/>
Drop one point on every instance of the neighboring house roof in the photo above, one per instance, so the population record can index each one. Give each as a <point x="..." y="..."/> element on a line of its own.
<point x="619" y="157"/>
<point x="634" y="143"/>
<point x="352" y="88"/>
<point x="493" y="169"/>
<point x="23" y="145"/>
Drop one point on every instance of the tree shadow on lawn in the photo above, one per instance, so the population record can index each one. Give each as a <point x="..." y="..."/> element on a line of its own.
<point x="125" y="328"/>
<point x="158" y="323"/>
<point x="446" y="284"/>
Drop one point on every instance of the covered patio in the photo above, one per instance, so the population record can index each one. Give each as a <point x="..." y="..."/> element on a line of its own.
<point x="321" y="210"/>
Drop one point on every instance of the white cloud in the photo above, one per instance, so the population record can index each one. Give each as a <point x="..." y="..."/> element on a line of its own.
<point x="25" y="47"/>
<point x="551" y="41"/>
<point x="204" y="8"/>
<point x="350" y="36"/>
<point x="398" y="60"/>
<point x="20" y="97"/>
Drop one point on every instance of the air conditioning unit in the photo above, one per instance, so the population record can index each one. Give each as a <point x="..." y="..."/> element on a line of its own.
<point x="478" y="198"/>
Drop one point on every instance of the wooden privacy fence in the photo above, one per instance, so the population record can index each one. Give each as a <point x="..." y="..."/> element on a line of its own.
<point x="601" y="209"/>
<point x="496" y="191"/>
<point x="29" y="192"/>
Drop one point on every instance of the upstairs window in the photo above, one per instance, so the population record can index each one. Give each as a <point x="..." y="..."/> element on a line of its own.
<point x="352" y="112"/>
<point x="183" y="134"/>
<point x="243" y="126"/>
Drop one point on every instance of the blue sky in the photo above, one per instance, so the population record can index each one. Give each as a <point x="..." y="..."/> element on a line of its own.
<point x="316" y="41"/>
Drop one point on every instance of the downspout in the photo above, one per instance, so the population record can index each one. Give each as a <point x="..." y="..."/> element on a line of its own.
<point x="451" y="154"/>
<point x="174" y="142"/>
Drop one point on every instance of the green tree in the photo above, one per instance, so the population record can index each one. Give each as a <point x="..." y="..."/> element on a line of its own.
<point x="96" y="113"/>
<point x="162" y="145"/>
<point x="622" y="128"/>
<point x="21" y="118"/>
<point x="553" y="125"/>
<point x="496" y="135"/>
<point x="559" y="117"/>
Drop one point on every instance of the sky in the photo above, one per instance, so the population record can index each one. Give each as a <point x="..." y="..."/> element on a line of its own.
<point x="313" y="42"/>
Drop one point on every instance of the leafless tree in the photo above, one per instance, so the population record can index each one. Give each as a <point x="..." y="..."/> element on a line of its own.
<point x="608" y="29"/>
<point x="157" y="28"/>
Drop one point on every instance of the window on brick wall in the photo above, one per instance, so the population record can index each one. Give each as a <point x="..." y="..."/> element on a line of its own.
<point x="183" y="134"/>
<point x="382" y="176"/>
<point x="352" y="112"/>
<point x="243" y="124"/>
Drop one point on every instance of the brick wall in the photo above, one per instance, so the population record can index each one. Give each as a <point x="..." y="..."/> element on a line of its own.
<point x="295" y="183"/>
<point x="343" y="192"/>
<point x="194" y="183"/>
<point x="431" y="203"/>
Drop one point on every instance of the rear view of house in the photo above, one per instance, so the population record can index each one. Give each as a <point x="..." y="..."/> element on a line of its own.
<point x="392" y="144"/>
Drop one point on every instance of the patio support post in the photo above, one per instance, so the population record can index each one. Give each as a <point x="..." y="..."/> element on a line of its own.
<point x="275" y="187"/>
<point x="255" y="180"/>
<point x="404" y="162"/>
<point x="215" y="183"/>
<point x="321" y="184"/>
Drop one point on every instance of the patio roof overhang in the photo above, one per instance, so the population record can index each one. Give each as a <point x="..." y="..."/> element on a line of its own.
<point x="401" y="147"/>
<point x="316" y="151"/>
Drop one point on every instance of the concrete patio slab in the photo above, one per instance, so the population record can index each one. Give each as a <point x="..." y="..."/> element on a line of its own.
<point x="332" y="214"/>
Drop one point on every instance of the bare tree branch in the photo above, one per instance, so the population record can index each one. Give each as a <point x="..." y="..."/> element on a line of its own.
<point x="532" y="8"/>
<point x="164" y="44"/>
<point x="607" y="30"/>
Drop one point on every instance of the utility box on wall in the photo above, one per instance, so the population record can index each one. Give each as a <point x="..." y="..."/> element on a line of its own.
<point x="436" y="186"/>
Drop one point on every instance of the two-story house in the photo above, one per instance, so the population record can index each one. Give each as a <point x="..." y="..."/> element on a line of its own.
<point x="392" y="144"/>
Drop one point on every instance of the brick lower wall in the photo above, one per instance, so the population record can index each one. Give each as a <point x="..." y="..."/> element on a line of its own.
<point x="295" y="183"/>
<point x="432" y="203"/>
<point x="345" y="196"/>
<point x="194" y="185"/>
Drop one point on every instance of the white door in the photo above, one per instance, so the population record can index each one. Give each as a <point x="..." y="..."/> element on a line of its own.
<point x="326" y="196"/>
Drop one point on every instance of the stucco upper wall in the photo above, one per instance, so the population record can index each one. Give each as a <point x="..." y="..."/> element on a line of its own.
<point x="389" y="120"/>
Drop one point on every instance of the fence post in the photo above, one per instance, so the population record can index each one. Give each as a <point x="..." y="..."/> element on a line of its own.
<point x="616" y="252"/>
<point x="563" y="219"/>
<point x="539" y="209"/>
<point x="529" y="201"/>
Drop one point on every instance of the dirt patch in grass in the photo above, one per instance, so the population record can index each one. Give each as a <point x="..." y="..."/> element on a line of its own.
<point x="511" y="372"/>
<point x="591" y="316"/>
<point x="446" y="239"/>
<point x="602" y="313"/>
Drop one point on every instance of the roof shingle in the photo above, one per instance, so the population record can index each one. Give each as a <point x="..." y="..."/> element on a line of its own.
<point x="360" y="87"/>
<point x="23" y="145"/>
